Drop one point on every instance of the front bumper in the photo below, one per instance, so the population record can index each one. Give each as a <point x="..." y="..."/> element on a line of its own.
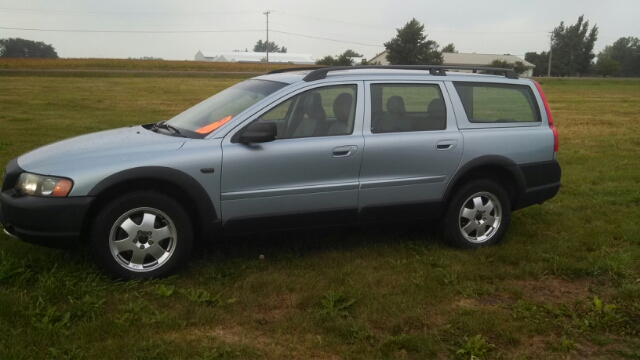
<point x="53" y="222"/>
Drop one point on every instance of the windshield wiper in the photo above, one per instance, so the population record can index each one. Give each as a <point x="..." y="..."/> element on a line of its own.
<point x="162" y="124"/>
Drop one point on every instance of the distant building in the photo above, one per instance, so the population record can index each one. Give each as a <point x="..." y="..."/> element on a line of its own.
<point x="255" y="57"/>
<point x="461" y="59"/>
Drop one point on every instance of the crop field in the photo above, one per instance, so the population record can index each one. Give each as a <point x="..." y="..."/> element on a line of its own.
<point x="564" y="284"/>
<point x="130" y="64"/>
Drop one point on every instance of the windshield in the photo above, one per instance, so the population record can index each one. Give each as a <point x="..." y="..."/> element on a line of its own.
<point x="212" y="113"/>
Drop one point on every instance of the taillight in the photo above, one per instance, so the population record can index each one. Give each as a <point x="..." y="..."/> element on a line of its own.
<point x="551" y="126"/>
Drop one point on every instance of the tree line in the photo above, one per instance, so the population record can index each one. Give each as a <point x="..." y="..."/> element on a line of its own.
<point x="21" y="48"/>
<point x="571" y="52"/>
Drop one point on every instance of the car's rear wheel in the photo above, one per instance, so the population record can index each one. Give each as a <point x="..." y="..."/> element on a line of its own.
<point x="478" y="214"/>
<point x="142" y="235"/>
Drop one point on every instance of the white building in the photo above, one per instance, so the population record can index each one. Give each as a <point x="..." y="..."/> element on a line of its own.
<point x="255" y="57"/>
<point x="461" y="59"/>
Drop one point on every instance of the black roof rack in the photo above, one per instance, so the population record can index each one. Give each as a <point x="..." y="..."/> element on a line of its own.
<point x="291" y="69"/>
<point x="437" y="70"/>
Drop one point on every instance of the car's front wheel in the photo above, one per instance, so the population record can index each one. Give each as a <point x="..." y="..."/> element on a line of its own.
<point x="478" y="214"/>
<point x="142" y="235"/>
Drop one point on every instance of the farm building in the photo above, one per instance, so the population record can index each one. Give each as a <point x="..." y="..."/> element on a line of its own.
<point x="255" y="57"/>
<point x="461" y="59"/>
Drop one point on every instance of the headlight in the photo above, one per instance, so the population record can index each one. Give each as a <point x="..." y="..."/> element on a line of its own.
<point x="38" y="185"/>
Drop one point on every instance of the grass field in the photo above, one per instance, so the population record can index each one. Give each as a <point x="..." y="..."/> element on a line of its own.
<point x="564" y="284"/>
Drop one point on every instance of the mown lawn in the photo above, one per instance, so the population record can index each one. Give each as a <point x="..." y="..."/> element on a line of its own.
<point x="565" y="283"/>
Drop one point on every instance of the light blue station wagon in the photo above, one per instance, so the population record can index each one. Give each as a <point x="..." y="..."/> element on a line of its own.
<point x="293" y="149"/>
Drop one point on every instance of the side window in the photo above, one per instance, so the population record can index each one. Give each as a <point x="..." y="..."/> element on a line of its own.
<point x="498" y="103"/>
<point x="407" y="107"/>
<point x="327" y="111"/>
<point x="278" y="115"/>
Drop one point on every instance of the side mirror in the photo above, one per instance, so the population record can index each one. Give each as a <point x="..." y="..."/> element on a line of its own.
<point x="259" y="132"/>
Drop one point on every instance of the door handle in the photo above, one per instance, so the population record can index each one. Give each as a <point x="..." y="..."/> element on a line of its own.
<point x="345" y="151"/>
<point x="446" y="145"/>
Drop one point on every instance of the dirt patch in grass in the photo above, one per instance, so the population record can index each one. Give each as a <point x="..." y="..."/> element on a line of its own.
<point x="554" y="290"/>
<point x="276" y="308"/>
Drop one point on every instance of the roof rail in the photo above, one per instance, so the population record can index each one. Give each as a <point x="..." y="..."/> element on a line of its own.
<point x="437" y="70"/>
<point x="302" y="68"/>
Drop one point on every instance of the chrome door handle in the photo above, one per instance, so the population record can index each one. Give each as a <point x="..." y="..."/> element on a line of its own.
<point x="446" y="145"/>
<point x="345" y="151"/>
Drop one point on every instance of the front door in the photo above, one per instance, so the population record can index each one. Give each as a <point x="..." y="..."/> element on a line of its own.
<point x="308" y="176"/>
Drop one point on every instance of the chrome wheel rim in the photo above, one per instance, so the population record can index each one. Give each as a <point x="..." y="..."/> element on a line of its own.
<point x="480" y="217"/>
<point x="142" y="239"/>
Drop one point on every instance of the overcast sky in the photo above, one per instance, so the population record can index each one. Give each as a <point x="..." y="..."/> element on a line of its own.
<point x="176" y="30"/>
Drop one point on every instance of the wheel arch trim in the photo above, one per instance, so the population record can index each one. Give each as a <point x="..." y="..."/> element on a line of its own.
<point x="204" y="207"/>
<point x="488" y="161"/>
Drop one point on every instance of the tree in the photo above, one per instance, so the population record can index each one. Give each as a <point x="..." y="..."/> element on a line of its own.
<point x="449" y="48"/>
<point x="369" y="62"/>
<point x="273" y="48"/>
<point x="518" y="67"/>
<point x="573" y="48"/>
<point x="351" y="53"/>
<point x="21" y="48"/>
<point x="327" y="60"/>
<point x="607" y="67"/>
<point x="344" y="59"/>
<point x="411" y="47"/>
<point x="626" y="51"/>
<point x="541" y="61"/>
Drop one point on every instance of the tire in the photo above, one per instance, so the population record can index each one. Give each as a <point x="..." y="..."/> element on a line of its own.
<point x="141" y="235"/>
<point x="478" y="215"/>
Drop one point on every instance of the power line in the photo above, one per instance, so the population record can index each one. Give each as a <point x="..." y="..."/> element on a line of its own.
<point x="124" y="13"/>
<point x="184" y="32"/>
<point x="336" y="21"/>
<point x="327" y="39"/>
<point x="132" y="31"/>
<point x="123" y="25"/>
<point x="254" y="12"/>
<point x="426" y="30"/>
<point x="320" y="32"/>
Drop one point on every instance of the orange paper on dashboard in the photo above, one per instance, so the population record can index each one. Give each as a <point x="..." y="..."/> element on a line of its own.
<point x="214" y="125"/>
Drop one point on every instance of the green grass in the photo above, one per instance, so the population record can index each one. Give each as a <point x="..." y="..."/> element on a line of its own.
<point x="565" y="283"/>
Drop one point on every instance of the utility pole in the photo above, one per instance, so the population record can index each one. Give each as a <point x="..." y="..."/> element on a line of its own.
<point x="550" y="53"/>
<point x="267" y="13"/>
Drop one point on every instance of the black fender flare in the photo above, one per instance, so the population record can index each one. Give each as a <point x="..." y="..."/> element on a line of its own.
<point x="484" y="161"/>
<point x="186" y="183"/>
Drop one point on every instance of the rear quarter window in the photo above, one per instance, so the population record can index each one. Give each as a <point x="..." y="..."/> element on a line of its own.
<point x="498" y="103"/>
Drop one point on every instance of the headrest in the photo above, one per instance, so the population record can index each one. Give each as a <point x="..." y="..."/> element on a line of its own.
<point x="395" y="105"/>
<point x="342" y="107"/>
<point x="436" y="108"/>
<point x="313" y="106"/>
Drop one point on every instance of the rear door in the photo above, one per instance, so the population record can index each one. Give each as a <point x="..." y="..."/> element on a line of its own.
<point x="413" y="147"/>
<point x="308" y="176"/>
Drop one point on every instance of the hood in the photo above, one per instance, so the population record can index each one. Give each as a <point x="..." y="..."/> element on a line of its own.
<point x="85" y="151"/>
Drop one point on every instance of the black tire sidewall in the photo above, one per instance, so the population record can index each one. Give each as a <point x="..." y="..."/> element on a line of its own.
<point x="452" y="219"/>
<point x="104" y="221"/>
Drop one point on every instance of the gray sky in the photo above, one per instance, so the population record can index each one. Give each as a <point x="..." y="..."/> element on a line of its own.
<point x="176" y="30"/>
